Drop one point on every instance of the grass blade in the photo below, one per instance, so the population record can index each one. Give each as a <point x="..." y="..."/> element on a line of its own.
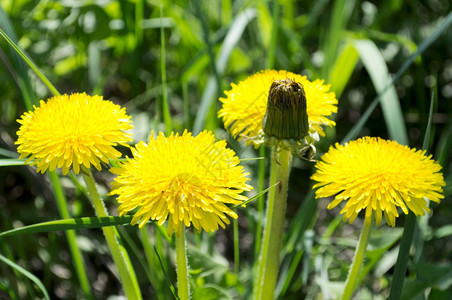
<point x="353" y="133"/>
<point x="69" y="224"/>
<point x="165" y="104"/>
<point x="24" y="81"/>
<point x="26" y="274"/>
<point x="232" y="38"/>
<point x="56" y="185"/>
<point x="255" y="196"/>
<point x="343" y="69"/>
<point x="409" y="230"/>
<point x="274" y="36"/>
<point x="376" y="67"/>
<point x="30" y="63"/>
<point x="8" y="162"/>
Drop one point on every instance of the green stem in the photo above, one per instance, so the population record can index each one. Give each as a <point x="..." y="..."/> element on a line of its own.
<point x="186" y="104"/>
<point x="165" y="105"/>
<point x="71" y="237"/>
<point x="357" y="262"/>
<point x="118" y="252"/>
<point x="265" y="283"/>
<point x="183" y="289"/>
<point x="274" y="36"/>
<point x="235" y="224"/>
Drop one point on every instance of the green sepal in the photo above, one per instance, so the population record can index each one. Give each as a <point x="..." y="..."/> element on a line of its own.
<point x="286" y="116"/>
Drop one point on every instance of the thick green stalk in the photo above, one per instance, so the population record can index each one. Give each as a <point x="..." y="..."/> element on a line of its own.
<point x="183" y="289"/>
<point x="266" y="278"/>
<point x="357" y="262"/>
<point x="118" y="252"/>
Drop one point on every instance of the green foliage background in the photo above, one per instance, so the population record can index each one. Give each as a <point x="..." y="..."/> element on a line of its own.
<point x="120" y="49"/>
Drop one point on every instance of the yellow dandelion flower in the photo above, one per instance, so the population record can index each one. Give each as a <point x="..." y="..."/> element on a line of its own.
<point x="244" y="108"/>
<point x="182" y="178"/>
<point x="378" y="176"/>
<point x="72" y="130"/>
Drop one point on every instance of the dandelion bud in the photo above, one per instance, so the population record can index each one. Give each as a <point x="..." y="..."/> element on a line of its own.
<point x="286" y="116"/>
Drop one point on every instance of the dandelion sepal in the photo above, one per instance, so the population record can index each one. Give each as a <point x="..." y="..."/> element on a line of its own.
<point x="244" y="108"/>
<point x="286" y="117"/>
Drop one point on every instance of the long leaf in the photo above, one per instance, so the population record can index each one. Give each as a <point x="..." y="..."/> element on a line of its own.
<point x="353" y="133"/>
<point x="376" y="67"/>
<point x="409" y="232"/>
<point x="255" y="196"/>
<point x="69" y="224"/>
<point x="8" y="162"/>
<point x="343" y="68"/>
<point x="29" y="62"/>
<point x="23" y="79"/>
<point x="26" y="274"/>
<point x="230" y="41"/>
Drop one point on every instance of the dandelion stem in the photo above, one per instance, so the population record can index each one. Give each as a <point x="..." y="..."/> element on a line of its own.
<point x="350" y="283"/>
<point x="183" y="289"/>
<point x="235" y="224"/>
<point x="268" y="267"/>
<point x="118" y="252"/>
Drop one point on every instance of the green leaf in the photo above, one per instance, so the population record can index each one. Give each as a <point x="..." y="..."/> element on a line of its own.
<point x="343" y="68"/>
<point x="431" y="275"/>
<point x="69" y="224"/>
<point x="30" y="64"/>
<point x="232" y="38"/>
<point x="26" y="274"/>
<point x="378" y="71"/>
<point x="379" y="244"/>
<point x="208" y="265"/>
<point x="5" y="162"/>
<point x="255" y="197"/>
<point x="443" y="231"/>
<point x="426" y="43"/>
<point x="23" y="80"/>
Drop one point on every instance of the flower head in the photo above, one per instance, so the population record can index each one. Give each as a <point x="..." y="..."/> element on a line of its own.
<point x="378" y="176"/>
<point x="182" y="178"/>
<point x="72" y="130"/>
<point x="245" y="106"/>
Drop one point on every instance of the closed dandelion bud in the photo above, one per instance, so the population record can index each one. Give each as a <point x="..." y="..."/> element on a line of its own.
<point x="286" y="116"/>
